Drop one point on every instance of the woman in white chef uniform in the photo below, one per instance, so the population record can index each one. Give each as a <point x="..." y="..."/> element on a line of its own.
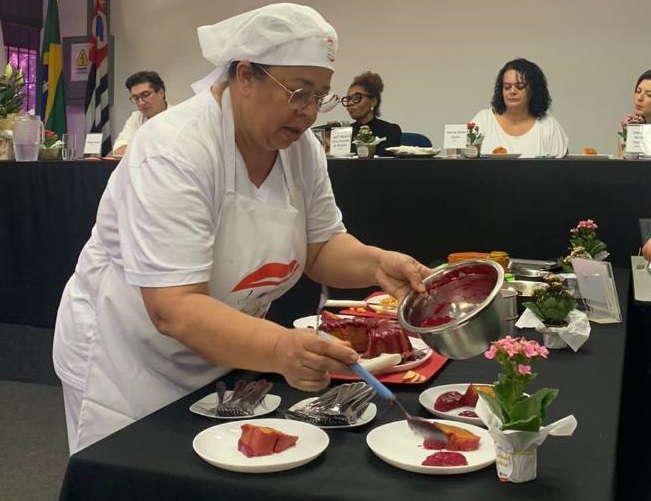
<point x="219" y="206"/>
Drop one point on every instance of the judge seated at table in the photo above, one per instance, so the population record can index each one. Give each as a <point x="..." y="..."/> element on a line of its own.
<point x="519" y="120"/>
<point x="363" y="104"/>
<point x="147" y="91"/>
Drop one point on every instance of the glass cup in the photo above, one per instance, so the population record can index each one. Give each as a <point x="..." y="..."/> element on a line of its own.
<point x="68" y="146"/>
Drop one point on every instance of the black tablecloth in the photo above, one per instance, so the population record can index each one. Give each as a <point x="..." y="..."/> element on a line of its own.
<point x="427" y="208"/>
<point x="153" y="459"/>
<point x="47" y="210"/>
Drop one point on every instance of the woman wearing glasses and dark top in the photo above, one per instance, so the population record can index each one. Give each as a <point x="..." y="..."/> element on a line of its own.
<point x="147" y="91"/>
<point x="218" y="207"/>
<point x="363" y="104"/>
<point x="518" y="121"/>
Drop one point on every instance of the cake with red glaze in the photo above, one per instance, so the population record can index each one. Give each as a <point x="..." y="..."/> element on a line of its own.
<point x="263" y="441"/>
<point x="367" y="335"/>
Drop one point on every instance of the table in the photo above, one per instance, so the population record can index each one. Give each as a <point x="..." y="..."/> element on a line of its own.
<point x="153" y="459"/>
<point x="47" y="210"/>
<point x="426" y="207"/>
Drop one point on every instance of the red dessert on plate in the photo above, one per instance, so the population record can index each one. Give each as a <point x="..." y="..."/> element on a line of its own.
<point x="453" y="399"/>
<point x="445" y="459"/>
<point x="263" y="441"/>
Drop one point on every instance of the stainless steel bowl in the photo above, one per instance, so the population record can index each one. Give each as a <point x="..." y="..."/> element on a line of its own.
<point x="464" y="300"/>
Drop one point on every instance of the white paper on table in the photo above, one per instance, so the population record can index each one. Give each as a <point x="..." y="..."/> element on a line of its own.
<point x="455" y="136"/>
<point x="575" y="334"/>
<point x="340" y="138"/>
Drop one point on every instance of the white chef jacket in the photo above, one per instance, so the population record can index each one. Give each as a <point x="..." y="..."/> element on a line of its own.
<point x="545" y="138"/>
<point x="158" y="224"/>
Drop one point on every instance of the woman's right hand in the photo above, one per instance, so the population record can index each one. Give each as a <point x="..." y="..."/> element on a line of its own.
<point x="306" y="360"/>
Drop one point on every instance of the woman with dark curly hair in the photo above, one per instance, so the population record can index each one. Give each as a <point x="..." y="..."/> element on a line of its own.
<point x="363" y="104"/>
<point x="519" y="120"/>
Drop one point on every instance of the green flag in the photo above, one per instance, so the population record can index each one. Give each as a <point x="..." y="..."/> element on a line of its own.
<point x="52" y="100"/>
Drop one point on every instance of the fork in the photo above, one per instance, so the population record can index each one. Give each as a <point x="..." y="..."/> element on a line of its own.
<point x="420" y="426"/>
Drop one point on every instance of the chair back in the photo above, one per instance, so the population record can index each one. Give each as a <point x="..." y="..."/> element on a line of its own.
<point x="415" y="139"/>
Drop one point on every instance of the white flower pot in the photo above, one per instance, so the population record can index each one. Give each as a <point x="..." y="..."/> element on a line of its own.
<point x="552" y="338"/>
<point x="514" y="462"/>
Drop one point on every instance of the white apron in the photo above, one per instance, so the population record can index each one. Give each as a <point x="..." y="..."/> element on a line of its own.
<point x="259" y="254"/>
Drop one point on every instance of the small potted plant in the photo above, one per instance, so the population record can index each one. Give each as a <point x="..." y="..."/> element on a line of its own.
<point x="365" y="142"/>
<point x="623" y="134"/>
<point x="51" y="148"/>
<point x="474" y="139"/>
<point x="552" y="305"/>
<point x="515" y="419"/>
<point x="11" y="95"/>
<point x="584" y="243"/>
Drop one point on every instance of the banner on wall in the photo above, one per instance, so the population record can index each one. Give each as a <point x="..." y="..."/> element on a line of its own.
<point x="97" y="87"/>
<point x="52" y="93"/>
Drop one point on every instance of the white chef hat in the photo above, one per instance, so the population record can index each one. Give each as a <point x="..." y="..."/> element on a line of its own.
<point x="283" y="34"/>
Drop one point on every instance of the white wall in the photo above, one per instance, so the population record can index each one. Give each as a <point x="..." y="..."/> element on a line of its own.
<point x="438" y="59"/>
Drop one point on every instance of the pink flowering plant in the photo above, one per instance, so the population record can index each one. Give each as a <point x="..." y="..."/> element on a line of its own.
<point x="630" y="120"/>
<point x="516" y="409"/>
<point x="473" y="136"/>
<point x="585" y="235"/>
<point x="51" y="139"/>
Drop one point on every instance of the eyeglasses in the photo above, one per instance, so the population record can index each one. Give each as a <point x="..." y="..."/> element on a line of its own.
<point x="143" y="95"/>
<point x="519" y="86"/>
<point x="354" y="99"/>
<point x="300" y="98"/>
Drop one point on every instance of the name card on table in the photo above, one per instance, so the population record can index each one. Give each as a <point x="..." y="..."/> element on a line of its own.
<point x="598" y="291"/>
<point x="340" y="138"/>
<point x="638" y="138"/>
<point x="93" y="145"/>
<point x="454" y="139"/>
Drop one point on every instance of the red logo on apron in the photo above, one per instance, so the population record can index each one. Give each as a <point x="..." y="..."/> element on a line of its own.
<point x="268" y="274"/>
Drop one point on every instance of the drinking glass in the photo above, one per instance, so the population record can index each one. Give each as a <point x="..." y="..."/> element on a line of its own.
<point x="69" y="146"/>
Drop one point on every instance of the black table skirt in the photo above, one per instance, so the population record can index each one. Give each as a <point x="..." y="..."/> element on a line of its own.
<point x="47" y="210"/>
<point x="427" y="208"/>
<point x="153" y="459"/>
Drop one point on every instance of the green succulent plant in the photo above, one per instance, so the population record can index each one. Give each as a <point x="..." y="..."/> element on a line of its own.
<point x="552" y="303"/>
<point x="11" y="91"/>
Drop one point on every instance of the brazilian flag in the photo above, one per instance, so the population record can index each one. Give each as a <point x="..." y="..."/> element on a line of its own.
<point x="53" y="105"/>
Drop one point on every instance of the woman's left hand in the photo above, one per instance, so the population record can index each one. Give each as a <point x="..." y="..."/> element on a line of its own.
<point x="399" y="273"/>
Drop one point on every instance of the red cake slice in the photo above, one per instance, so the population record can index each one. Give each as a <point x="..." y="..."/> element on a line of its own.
<point x="263" y="441"/>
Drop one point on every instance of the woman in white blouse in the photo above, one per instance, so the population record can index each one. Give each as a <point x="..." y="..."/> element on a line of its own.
<point x="519" y="120"/>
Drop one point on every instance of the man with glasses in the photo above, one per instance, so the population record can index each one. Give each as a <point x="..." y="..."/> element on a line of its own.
<point x="147" y="94"/>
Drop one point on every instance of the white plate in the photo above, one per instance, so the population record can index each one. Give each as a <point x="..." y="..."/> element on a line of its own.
<point x="310" y="321"/>
<point x="369" y="363"/>
<point x="501" y="155"/>
<point x="367" y="416"/>
<point x="581" y="156"/>
<point x="396" y="444"/>
<point x="204" y="406"/>
<point x="413" y="151"/>
<point x="429" y="396"/>
<point x="218" y="446"/>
